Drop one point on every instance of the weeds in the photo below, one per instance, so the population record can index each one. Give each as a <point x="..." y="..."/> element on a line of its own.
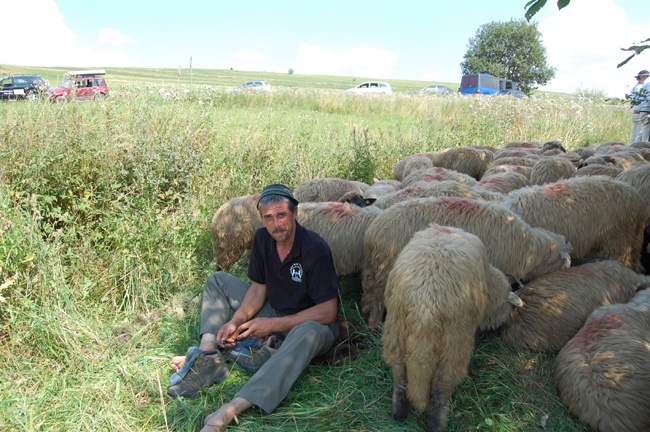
<point x="105" y="246"/>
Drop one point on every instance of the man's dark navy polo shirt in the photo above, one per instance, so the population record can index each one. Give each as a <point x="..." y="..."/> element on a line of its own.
<point x="305" y="278"/>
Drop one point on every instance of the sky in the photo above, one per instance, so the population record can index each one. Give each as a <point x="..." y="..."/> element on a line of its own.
<point x="412" y="40"/>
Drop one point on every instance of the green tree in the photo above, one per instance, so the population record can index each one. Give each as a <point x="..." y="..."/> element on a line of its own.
<point x="511" y="50"/>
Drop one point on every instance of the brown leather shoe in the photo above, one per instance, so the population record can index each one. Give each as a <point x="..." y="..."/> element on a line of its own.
<point x="208" y="369"/>
<point x="258" y="355"/>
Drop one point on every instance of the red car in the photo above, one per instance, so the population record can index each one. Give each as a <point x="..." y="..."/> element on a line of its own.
<point x="81" y="85"/>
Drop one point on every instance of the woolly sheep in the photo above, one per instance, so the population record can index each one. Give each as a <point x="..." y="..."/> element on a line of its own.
<point x="517" y="153"/>
<point x="466" y="160"/>
<point x="410" y="164"/>
<point x="436" y="174"/>
<point x="639" y="178"/>
<point x="557" y="304"/>
<point x="381" y="188"/>
<point x="514" y="248"/>
<point x="233" y="226"/>
<point x="601" y="217"/>
<point x="603" y="373"/>
<point x="597" y="169"/>
<point x="523" y="145"/>
<point x="436" y="294"/>
<point x="575" y="158"/>
<point x="551" y="169"/>
<point x="320" y="189"/>
<point x="498" y="169"/>
<point x="342" y="226"/>
<point x="503" y="183"/>
<point x="527" y="161"/>
<point x="423" y="189"/>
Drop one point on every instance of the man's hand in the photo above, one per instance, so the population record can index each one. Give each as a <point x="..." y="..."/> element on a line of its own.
<point x="256" y="328"/>
<point x="227" y="335"/>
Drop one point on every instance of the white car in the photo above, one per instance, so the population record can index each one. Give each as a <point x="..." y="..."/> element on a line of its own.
<point x="253" y="85"/>
<point x="371" y="87"/>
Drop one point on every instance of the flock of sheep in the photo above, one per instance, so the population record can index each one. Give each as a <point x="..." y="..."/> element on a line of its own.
<point x="548" y="246"/>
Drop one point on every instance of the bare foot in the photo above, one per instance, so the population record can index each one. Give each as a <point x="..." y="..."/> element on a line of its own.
<point x="225" y="415"/>
<point x="178" y="362"/>
<point x="207" y="345"/>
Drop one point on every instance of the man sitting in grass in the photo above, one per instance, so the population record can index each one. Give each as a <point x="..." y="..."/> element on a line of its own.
<point x="292" y="303"/>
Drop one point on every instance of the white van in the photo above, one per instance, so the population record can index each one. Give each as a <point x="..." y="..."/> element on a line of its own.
<point x="371" y="87"/>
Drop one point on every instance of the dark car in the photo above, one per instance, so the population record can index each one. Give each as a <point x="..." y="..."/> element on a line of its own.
<point x="22" y="87"/>
<point x="436" y="89"/>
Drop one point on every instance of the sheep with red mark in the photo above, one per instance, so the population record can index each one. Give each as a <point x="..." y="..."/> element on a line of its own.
<point x="526" y="161"/>
<point x="471" y="161"/>
<point x="550" y="169"/>
<point x="437" y="174"/>
<point x="603" y="373"/>
<point x="512" y="245"/>
<point x="437" y="293"/>
<point x="503" y="183"/>
<point x="320" y="189"/>
<point x="558" y="303"/>
<point x="424" y="189"/>
<point x="506" y="168"/>
<point x="343" y="227"/>
<point x="410" y="164"/>
<point x="602" y="218"/>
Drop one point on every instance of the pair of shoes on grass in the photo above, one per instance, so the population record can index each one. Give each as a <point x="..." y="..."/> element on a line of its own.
<point x="205" y="368"/>
<point x="201" y="370"/>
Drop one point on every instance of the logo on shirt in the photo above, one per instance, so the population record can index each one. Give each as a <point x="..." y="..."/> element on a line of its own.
<point x="296" y="272"/>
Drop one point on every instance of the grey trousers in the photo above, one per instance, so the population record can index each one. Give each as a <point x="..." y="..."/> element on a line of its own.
<point x="267" y="388"/>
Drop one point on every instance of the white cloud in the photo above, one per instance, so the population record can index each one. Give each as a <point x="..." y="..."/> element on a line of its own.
<point x="584" y="41"/>
<point x="111" y="36"/>
<point x="47" y="41"/>
<point x="366" y="61"/>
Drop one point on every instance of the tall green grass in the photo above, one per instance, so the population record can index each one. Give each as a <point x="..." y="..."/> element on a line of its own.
<point x="104" y="248"/>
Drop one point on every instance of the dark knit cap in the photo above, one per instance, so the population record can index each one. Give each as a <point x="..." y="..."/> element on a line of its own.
<point x="278" y="189"/>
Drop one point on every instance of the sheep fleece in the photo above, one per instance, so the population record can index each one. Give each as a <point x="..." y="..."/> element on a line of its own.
<point x="515" y="248"/>
<point x="603" y="373"/>
<point x="557" y="304"/>
<point x="435" y="297"/>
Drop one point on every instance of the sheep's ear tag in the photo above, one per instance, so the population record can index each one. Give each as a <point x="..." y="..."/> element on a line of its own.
<point x="515" y="299"/>
<point x="369" y="201"/>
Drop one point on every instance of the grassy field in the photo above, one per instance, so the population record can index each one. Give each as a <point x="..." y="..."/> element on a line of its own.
<point x="105" y="247"/>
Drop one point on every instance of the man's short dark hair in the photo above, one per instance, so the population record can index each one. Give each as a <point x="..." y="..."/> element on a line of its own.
<point x="274" y="199"/>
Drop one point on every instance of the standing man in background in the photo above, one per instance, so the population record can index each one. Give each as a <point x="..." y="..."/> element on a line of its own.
<point x="640" y="101"/>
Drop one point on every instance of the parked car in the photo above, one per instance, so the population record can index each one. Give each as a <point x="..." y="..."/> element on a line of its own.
<point x="512" y="92"/>
<point x="253" y="85"/>
<point x="22" y="87"/>
<point x="81" y="85"/>
<point x="371" y="87"/>
<point x="436" y="89"/>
